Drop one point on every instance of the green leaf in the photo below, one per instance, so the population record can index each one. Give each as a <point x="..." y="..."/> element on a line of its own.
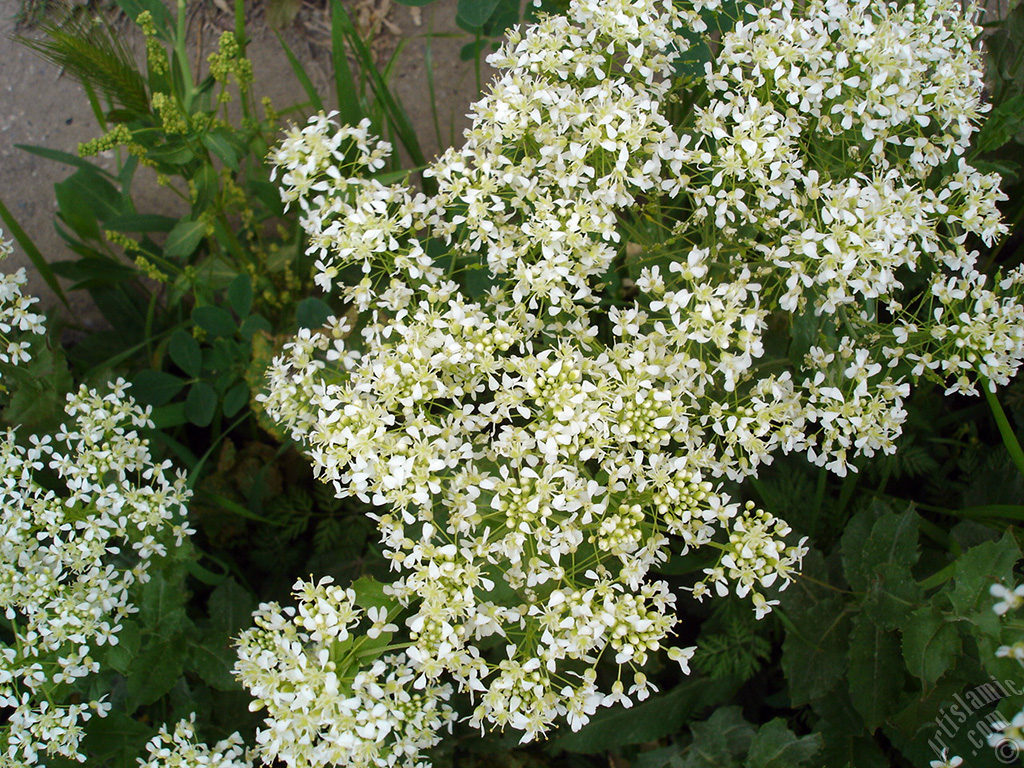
<point x="254" y="323"/>
<point x="817" y="633"/>
<point x="155" y="671"/>
<point x="212" y="658"/>
<point x="931" y="644"/>
<point x="877" y="536"/>
<point x="350" y="108"/>
<point x="119" y="657"/>
<point x="475" y="13"/>
<point x="184" y="238"/>
<point x="236" y="399"/>
<point x="231" y="606"/>
<point x="312" y="312"/>
<point x="300" y="73"/>
<point x="220" y="146"/>
<point x="63" y="157"/>
<point x="155" y="387"/>
<point x="216" y="321"/>
<point x="201" y="404"/>
<point x="370" y="594"/>
<point x="1003" y="123"/>
<point x="718" y="742"/>
<point x="240" y="295"/>
<point x="185" y="352"/>
<point x="876" y="672"/>
<point x="977" y="569"/>
<point x="775" y="746"/>
<point x="892" y="595"/>
<point x="115" y="740"/>
<point x="140" y="222"/>
<point x="34" y="255"/>
<point x="653" y="719"/>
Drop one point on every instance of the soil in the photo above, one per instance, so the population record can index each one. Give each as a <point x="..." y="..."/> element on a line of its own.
<point x="43" y="106"/>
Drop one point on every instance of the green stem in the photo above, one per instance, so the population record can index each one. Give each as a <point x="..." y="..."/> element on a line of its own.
<point x="1005" y="430"/>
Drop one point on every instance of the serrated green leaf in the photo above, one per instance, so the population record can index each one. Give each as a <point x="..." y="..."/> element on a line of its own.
<point x="213" y="658"/>
<point x="817" y="633"/>
<point x="718" y="742"/>
<point x="201" y="404"/>
<point x="930" y="644"/>
<point x="185" y="352"/>
<point x="370" y="594"/>
<point x="977" y="569"/>
<point x="155" y="387"/>
<point x="877" y="672"/>
<point x="184" y="238"/>
<point x="775" y="746"/>
<point x="653" y="719"/>
<point x="155" y="671"/>
<point x="240" y="295"/>
<point x="1003" y="123"/>
<point x="115" y="740"/>
<point x="119" y="657"/>
<point x="892" y="594"/>
<point x="216" y="321"/>
<point x="231" y="607"/>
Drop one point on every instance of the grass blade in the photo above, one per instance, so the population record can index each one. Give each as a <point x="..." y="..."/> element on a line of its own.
<point x="350" y="104"/>
<point x="32" y="252"/>
<point x="397" y="117"/>
<point x="300" y="73"/>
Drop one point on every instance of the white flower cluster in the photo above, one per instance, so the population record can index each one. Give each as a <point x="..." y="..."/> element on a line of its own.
<point x="331" y="697"/>
<point x="69" y="558"/>
<point x="181" y="749"/>
<point x="541" y="446"/>
<point x="15" y="312"/>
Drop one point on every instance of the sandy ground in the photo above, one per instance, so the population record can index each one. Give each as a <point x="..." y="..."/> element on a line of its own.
<point x="45" y="107"/>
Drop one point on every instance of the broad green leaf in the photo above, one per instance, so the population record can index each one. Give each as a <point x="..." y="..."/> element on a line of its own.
<point x="235" y="399"/>
<point x="877" y="672"/>
<point x="155" y="387"/>
<point x="184" y="238"/>
<point x="114" y="740"/>
<point x="817" y="633"/>
<point x="775" y="746"/>
<point x="877" y="536"/>
<point x="155" y="670"/>
<point x="370" y="594"/>
<point x="212" y="658"/>
<point x="655" y="718"/>
<point x="231" y="607"/>
<point x="892" y="595"/>
<point x="1003" y="123"/>
<point x="140" y="222"/>
<point x="253" y="324"/>
<point x="220" y="146"/>
<point x="312" y="312"/>
<point x="475" y="13"/>
<point x="216" y="321"/>
<point x="240" y="295"/>
<point x="201" y="404"/>
<point x="162" y="602"/>
<point x="718" y="742"/>
<point x="119" y="657"/>
<point x="931" y="644"/>
<point x="185" y="352"/>
<point x="977" y="569"/>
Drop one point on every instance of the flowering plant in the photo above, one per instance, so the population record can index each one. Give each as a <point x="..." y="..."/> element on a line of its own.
<point x="632" y="289"/>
